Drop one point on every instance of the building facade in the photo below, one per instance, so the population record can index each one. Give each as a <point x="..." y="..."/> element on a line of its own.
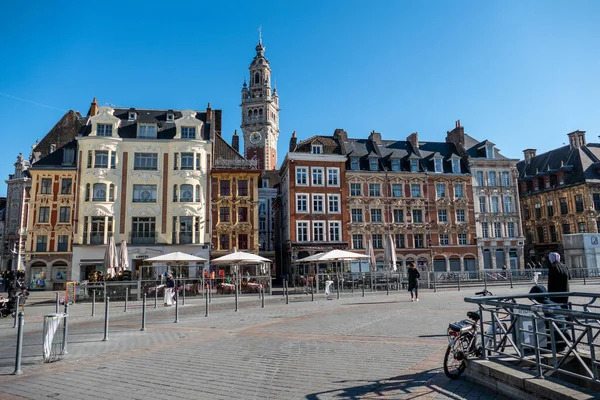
<point x="143" y="177"/>
<point x="267" y="196"/>
<point x="51" y="211"/>
<point x="560" y="194"/>
<point x="499" y="235"/>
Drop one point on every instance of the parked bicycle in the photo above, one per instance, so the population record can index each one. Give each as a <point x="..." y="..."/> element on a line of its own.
<point x="464" y="341"/>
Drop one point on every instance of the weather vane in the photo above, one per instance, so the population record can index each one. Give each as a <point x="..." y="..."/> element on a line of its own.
<point x="260" y="34"/>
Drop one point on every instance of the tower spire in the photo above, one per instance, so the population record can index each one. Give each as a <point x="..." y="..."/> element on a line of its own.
<point x="260" y="35"/>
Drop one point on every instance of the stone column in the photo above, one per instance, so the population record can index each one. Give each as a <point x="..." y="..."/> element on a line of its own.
<point x="462" y="263"/>
<point x="507" y="257"/>
<point x="493" y="257"/>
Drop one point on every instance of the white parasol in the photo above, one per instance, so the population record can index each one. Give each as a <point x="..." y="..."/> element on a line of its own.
<point x="110" y="259"/>
<point x="123" y="257"/>
<point x="371" y="254"/>
<point x="390" y="253"/>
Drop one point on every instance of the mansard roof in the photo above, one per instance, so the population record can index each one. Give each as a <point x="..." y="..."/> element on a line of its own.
<point x="65" y="130"/>
<point x="226" y="157"/>
<point x="56" y="160"/>
<point x="476" y="149"/>
<point x="329" y="143"/>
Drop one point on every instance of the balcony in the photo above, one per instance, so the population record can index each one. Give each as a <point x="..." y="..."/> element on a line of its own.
<point x="142" y="238"/>
<point x="186" y="238"/>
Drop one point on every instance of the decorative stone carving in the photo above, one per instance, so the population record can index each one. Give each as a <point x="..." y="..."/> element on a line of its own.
<point x="188" y="174"/>
<point x="143" y="211"/>
<point x="186" y="148"/>
<point x="146" y="149"/>
<point x="187" y="211"/>
<point x="101" y="173"/>
<point x="104" y="146"/>
<point x="99" y="210"/>
<point x="145" y="175"/>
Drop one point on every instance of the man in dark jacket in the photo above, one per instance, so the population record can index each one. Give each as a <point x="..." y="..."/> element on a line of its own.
<point x="558" y="278"/>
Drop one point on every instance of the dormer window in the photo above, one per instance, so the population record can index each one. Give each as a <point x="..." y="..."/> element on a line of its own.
<point x="316" y="149"/>
<point x="354" y="163"/>
<point x="170" y="117"/>
<point x="147" y="131"/>
<point x="437" y="164"/>
<point x="414" y="165"/>
<point x="132" y="115"/>
<point x="561" y="179"/>
<point x="456" y="166"/>
<point x="188" y="132"/>
<point x="395" y="164"/>
<point x="104" y="130"/>
<point x="68" y="156"/>
<point x="489" y="151"/>
<point x="373" y="165"/>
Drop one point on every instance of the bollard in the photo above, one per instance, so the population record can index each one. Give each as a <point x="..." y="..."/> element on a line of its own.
<point x="19" y="344"/>
<point x="338" y="288"/>
<point x="459" y="281"/>
<point x="57" y="302"/>
<point x="387" y="278"/>
<point x="210" y="292"/>
<point x="106" y="313"/>
<point x="510" y="277"/>
<point x="363" y="285"/>
<point x="93" y="302"/>
<point x="206" y="298"/>
<point x="434" y="285"/>
<point x="16" y="311"/>
<point x="143" y="313"/>
<point x="287" y="295"/>
<point x="65" y="330"/>
<point x="312" y="289"/>
<point x="126" y="292"/>
<point x="176" y="307"/>
<point x="352" y="289"/>
<point x="236" y="296"/>
<point x="584" y="273"/>
<point x="183" y="291"/>
<point x="484" y="280"/>
<point x="262" y="298"/>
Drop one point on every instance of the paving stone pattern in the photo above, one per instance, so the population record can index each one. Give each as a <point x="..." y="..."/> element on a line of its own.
<point x="377" y="346"/>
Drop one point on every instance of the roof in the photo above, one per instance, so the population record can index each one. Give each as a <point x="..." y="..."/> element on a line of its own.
<point x="56" y="159"/>
<point x="226" y="157"/>
<point x="65" y="130"/>
<point x="329" y="143"/>
<point x="476" y="149"/>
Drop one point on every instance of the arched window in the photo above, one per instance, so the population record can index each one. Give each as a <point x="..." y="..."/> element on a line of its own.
<point x="175" y="193"/>
<point x="187" y="193"/>
<point x="111" y="193"/>
<point x="256" y="78"/>
<point x="260" y="111"/>
<point x="249" y="113"/>
<point x="99" y="192"/>
<point x="87" y="192"/>
<point x="255" y="112"/>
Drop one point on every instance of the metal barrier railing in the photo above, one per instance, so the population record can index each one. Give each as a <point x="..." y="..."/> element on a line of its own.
<point x="554" y="339"/>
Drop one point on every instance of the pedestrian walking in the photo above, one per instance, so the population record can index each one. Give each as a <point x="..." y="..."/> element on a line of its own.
<point x="413" y="281"/>
<point x="558" y="278"/>
<point x="328" y="284"/>
<point x="169" y="290"/>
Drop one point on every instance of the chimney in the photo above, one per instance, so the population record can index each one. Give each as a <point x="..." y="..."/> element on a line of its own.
<point x="293" y="141"/>
<point x="235" y="141"/>
<point x="413" y="138"/>
<point x="93" y="108"/>
<point x="340" y="135"/>
<point x="529" y="154"/>
<point x="375" y="137"/>
<point x="456" y="136"/>
<point x="208" y="113"/>
<point x="576" y="139"/>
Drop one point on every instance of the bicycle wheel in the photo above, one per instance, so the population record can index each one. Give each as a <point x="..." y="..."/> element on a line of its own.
<point x="455" y="360"/>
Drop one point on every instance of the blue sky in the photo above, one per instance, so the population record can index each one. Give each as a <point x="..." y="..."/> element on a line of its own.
<point x="521" y="74"/>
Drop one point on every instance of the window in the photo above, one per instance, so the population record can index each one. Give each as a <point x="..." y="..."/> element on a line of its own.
<point x="65" y="186"/>
<point x="373" y="164"/>
<point x="145" y="161"/>
<point x="440" y="190"/>
<point x="415" y="190"/>
<point x="242" y="187"/>
<point x="318" y="231"/>
<point x="419" y="242"/>
<point x="398" y="216"/>
<point x="243" y="241"/>
<point x="104" y="130"/>
<point x="374" y="190"/>
<point x="444" y="239"/>
<point x="536" y="185"/>
<point x="143" y="230"/>
<point x="460" y="215"/>
<point x="101" y="159"/>
<point x="462" y="239"/>
<point x="505" y="178"/>
<point x="334" y="203"/>
<point x="538" y="211"/>
<point x="224" y="214"/>
<point x="197" y="193"/>
<point x="144" y="193"/>
<point x="399" y="241"/>
<point x="186" y="193"/>
<point x="578" y="203"/>
<point x="510" y="228"/>
<point x="566" y="229"/>
<point x="395" y="164"/>
<point x="44" y="214"/>
<point x="243" y="214"/>
<point x="113" y="160"/>
<point x="188" y="132"/>
<point x="187" y="161"/>
<point x="540" y="234"/>
<point x="317" y="176"/>
<point x="357" y="241"/>
<point x="437" y="165"/>
<point x="357" y="215"/>
<point x="333" y="177"/>
<point x="63" y="243"/>
<point x="489" y="151"/>
<point x="479" y="176"/>
<point x="553" y="237"/>
<point x="417" y="216"/>
<point x="414" y="165"/>
<point x="99" y="192"/>
<point x="41" y="244"/>
<point x="526" y="212"/>
<point x="224" y="188"/>
<point x="497" y="229"/>
<point x="302" y="231"/>
<point x="549" y="208"/>
<point x="354" y="163"/>
<point x="147" y="131"/>
<point x="302" y="176"/>
<point x="64" y="214"/>
<point x="377" y="241"/>
<point x="46" y="186"/>
<point x="302" y="203"/>
<point x="376" y="215"/>
<point x="508" y="204"/>
<point x="455" y="166"/>
<point x="459" y="191"/>
<point x="396" y="190"/>
<point x="492" y="178"/>
<point x="131" y="116"/>
<point x="68" y="157"/>
<point x="495" y="204"/>
<point x="596" y="197"/>
<point x="484" y="230"/>
<point x="546" y="182"/>
<point x="355" y="189"/>
<point x="334" y="231"/>
<point x="581" y="227"/>
<point x="564" y="207"/>
<point x="442" y="216"/>
<point x="316" y="149"/>
<point x="561" y="179"/>
<point x="318" y="203"/>
<point x="482" y="204"/>
<point x="224" y="242"/>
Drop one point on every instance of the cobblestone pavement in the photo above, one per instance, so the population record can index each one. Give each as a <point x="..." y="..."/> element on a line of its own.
<point x="377" y="346"/>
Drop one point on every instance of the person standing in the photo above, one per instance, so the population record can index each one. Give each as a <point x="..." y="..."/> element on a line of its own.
<point x="413" y="282"/>
<point x="558" y="278"/>
<point x="168" y="291"/>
